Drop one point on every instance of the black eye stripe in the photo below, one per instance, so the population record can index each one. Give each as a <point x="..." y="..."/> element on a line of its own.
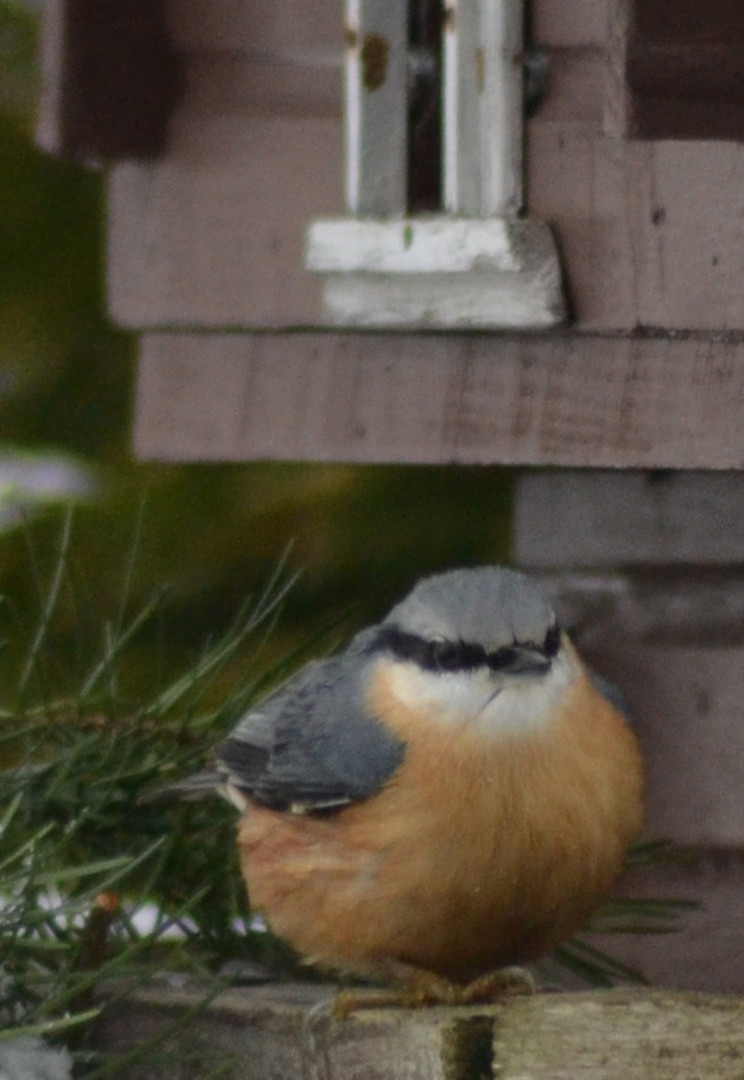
<point x="459" y="655"/>
<point x="501" y="658"/>
<point x="431" y="655"/>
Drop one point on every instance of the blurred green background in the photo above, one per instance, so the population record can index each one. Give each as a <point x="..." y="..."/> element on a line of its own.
<point x="209" y="533"/>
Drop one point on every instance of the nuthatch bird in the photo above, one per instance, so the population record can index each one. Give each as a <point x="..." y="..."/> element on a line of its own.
<point x="451" y="794"/>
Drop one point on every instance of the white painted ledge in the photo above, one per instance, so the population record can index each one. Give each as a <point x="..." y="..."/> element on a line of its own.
<point x="437" y="272"/>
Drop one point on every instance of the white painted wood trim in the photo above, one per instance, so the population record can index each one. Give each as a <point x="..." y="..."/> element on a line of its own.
<point x="499" y="301"/>
<point x="476" y="264"/>
<point x="437" y="272"/>
<point x="376" y="112"/>
<point x="482" y="95"/>
<point x="417" y="245"/>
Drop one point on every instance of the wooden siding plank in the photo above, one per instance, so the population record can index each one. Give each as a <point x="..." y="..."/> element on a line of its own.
<point x="687" y="704"/>
<point x="609" y="519"/>
<point x="687" y="226"/>
<point x="664" y="601"/>
<point x="685" y="69"/>
<point x="652" y="234"/>
<point x="561" y="400"/>
<point x="574" y="89"/>
<point x="214" y="234"/>
<point x="567" y="23"/>
<point x="259" y="56"/>
<point x="706" y="951"/>
<point x="312" y="29"/>
<point x="576" y="183"/>
<point x="220" y="83"/>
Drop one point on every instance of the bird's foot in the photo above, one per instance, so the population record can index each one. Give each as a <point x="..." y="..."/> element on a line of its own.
<point x="418" y="988"/>
<point x="363" y="997"/>
<point x="496" y="985"/>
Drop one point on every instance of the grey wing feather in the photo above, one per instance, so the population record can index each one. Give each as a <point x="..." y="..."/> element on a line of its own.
<point x="313" y="744"/>
<point x="614" y="695"/>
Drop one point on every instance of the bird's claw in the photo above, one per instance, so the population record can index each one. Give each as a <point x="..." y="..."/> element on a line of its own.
<point x="420" y="989"/>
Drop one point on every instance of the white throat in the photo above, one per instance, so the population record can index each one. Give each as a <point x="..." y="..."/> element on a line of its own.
<point x="492" y="703"/>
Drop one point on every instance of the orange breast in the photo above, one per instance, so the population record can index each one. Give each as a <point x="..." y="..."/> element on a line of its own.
<point x="482" y="851"/>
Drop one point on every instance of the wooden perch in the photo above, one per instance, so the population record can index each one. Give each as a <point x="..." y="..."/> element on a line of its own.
<point x="287" y="1031"/>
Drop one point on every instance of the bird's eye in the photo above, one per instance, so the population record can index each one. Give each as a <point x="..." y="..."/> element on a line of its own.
<point x="447" y="656"/>
<point x="502" y="659"/>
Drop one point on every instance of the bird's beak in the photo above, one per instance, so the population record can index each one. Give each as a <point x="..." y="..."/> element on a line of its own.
<point x="527" y="661"/>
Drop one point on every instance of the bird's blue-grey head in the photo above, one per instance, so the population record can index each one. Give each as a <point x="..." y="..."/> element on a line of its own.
<point x="468" y="618"/>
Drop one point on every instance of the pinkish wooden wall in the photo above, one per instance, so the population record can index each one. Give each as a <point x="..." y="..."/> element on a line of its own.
<point x="212" y="233"/>
<point x="646" y="569"/>
<point x="209" y="237"/>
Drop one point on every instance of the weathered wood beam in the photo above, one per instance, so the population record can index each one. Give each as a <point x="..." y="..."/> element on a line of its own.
<point x="579" y="400"/>
<point x="287" y="1031"/>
